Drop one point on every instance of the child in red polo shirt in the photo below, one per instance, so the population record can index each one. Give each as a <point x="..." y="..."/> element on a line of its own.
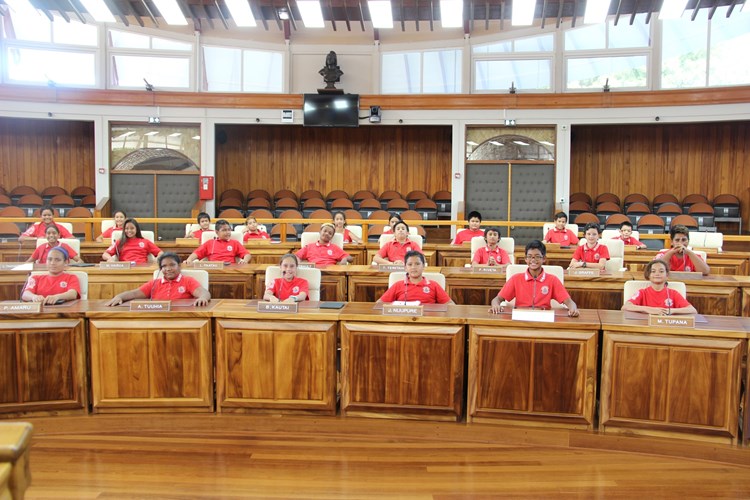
<point x="592" y="253"/>
<point x="680" y="256"/>
<point x="56" y="285"/>
<point x="658" y="298"/>
<point x="39" y="229"/>
<point x="40" y="254"/>
<point x="626" y="235"/>
<point x="132" y="246"/>
<point x="288" y="288"/>
<point x="204" y="223"/>
<point x="491" y="254"/>
<point x="465" y="235"/>
<point x="415" y="287"/>
<point x="323" y="252"/>
<point x="394" y="252"/>
<point x="561" y="234"/>
<point x="252" y="232"/>
<point x="223" y="248"/>
<point x="534" y="287"/>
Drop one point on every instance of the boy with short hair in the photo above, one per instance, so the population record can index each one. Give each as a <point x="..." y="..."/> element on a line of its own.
<point x="222" y="248"/>
<point x="204" y="221"/>
<point x="626" y="235"/>
<point x="680" y="256"/>
<point x="465" y="235"/>
<point x="252" y="231"/>
<point x="592" y="253"/>
<point x="561" y="234"/>
<point x="491" y="254"/>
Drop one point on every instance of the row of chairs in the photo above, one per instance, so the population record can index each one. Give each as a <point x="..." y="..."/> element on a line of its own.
<point x="658" y="223"/>
<point x="29" y="200"/>
<point x="364" y="200"/>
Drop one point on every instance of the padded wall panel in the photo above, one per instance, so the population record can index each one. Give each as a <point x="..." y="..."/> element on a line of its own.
<point x="533" y="191"/>
<point x="487" y="190"/>
<point x="176" y="195"/>
<point x="134" y="194"/>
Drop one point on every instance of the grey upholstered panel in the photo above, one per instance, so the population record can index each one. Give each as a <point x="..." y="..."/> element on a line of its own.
<point x="176" y="196"/>
<point x="487" y="190"/>
<point x="532" y="193"/>
<point x="134" y="194"/>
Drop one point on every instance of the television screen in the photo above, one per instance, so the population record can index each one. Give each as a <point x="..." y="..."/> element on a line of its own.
<point x="331" y="110"/>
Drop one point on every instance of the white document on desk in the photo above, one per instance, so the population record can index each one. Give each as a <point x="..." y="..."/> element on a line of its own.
<point x="539" y="315"/>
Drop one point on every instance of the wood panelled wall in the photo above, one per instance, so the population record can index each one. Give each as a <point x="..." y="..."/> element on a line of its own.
<point x="706" y="158"/>
<point x="43" y="153"/>
<point x="293" y="157"/>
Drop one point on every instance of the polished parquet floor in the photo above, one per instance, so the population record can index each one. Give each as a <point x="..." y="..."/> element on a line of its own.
<point x="255" y="456"/>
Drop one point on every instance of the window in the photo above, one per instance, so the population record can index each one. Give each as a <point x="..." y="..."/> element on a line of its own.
<point x="429" y="72"/>
<point x="238" y="70"/>
<point x="595" y="72"/>
<point x="525" y="63"/>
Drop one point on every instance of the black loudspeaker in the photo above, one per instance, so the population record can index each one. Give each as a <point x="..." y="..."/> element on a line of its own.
<point x="221" y="136"/>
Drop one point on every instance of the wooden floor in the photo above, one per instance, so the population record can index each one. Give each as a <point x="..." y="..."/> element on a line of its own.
<point x="220" y="456"/>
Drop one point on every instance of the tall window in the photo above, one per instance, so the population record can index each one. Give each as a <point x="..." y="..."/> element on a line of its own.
<point x="525" y="64"/>
<point x="164" y="63"/>
<point x="428" y="72"/>
<point x="228" y="69"/>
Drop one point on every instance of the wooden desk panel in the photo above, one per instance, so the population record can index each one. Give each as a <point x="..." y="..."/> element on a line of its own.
<point x="42" y="366"/>
<point x="151" y="362"/>
<point x="532" y="373"/>
<point x="671" y="382"/>
<point x="15" y="466"/>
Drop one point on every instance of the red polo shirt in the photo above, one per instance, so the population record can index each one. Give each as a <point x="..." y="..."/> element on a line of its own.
<point x="46" y="284"/>
<point x="466" y="235"/>
<point x="134" y="250"/>
<point x="393" y="250"/>
<point x="39" y="230"/>
<point x="221" y="250"/>
<point x="347" y="236"/>
<point x="586" y="254"/>
<point x="678" y="262"/>
<point x="40" y="254"/>
<point x="628" y="241"/>
<point x="260" y="235"/>
<point x="321" y="254"/>
<point x="564" y="237"/>
<point x="483" y="254"/>
<point x="530" y="292"/>
<point x="283" y="289"/>
<point x="663" y="298"/>
<point x="426" y="292"/>
<point x="107" y="233"/>
<point x="198" y="233"/>
<point x="163" y="289"/>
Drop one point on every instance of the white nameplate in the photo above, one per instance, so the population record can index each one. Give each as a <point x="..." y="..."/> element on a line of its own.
<point x="150" y="305"/>
<point x="671" y="321"/>
<point x="684" y="275"/>
<point x="585" y="272"/>
<point x="7" y="266"/>
<point x="541" y="315"/>
<point x="490" y="269"/>
<point x="208" y="264"/>
<point x="401" y="310"/>
<point x="277" y="307"/>
<point x="306" y="265"/>
<point x="390" y="268"/>
<point x="20" y="307"/>
<point x="115" y="265"/>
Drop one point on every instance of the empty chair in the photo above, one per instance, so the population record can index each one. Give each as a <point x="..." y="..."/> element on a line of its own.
<point x="230" y="213"/>
<point x="663" y="198"/>
<point x="367" y="206"/>
<point x="321" y="213"/>
<point x="293" y="214"/>
<point x="426" y="208"/>
<point x="335" y="195"/>
<point x="312" y="228"/>
<point x="614" y="221"/>
<point x="726" y="205"/>
<point x="577" y="208"/>
<point x="50" y="192"/>
<point x="19" y="192"/>
<point x="713" y="241"/>
<point x="256" y="203"/>
<point x="311" y="194"/>
<point x="5" y="201"/>
<point x="29" y="203"/>
<point x="79" y="228"/>
<point x="3" y="191"/>
<point x="234" y="203"/>
<point x="351" y="215"/>
<point x="341" y="204"/>
<point x="687" y="221"/>
<point x="444" y="203"/>
<point x="261" y="213"/>
<point x="313" y="205"/>
<point x="691" y="200"/>
<point x="586" y="218"/>
<point x="63" y="203"/>
<point x="704" y="214"/>
<point x="668" y="211"/>
<point x="605" y="209"/>
<point x="284" y="204"/>
<point x="8" y="231"/>
<point x="259" y="193"/>
<point x="607" y="197"/>
<point x="14" y="212"/>
<point x="276" y="230"/>
<point x="284" y="193"/>
<point x="580" y="196"/>
<point x="635" y="198"/>
<point x="410" y="215"/>
<point x="651" y="224"/>
<point x="89" y="201"/>
<point x="414" y="196"/>
<point x="396" y="205"/>
<point x="79" y="193"/>
<point x="360" y="195"/>
<point x="231" y="193"/>
<point x="636" y="210"/>
<point x="390" y="194"/>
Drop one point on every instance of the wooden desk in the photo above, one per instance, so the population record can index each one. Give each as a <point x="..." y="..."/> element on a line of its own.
<point x="669" y="381"/>
<point x="43" y="363"/>
<point x="402" y="366"/>
<point x="150" y="362"/>
<point x="532" y="373"/>
<point x="15" y="474"/>
<point x="278" y="363"/>
<point x="745" y="322"/>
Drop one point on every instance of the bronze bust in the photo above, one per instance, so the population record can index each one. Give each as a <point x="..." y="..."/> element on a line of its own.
<point x="331" y="72"/>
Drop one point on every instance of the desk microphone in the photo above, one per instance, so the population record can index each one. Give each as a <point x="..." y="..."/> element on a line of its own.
<point x="669" y="300"/>
<point x="406" y="287"/>
<point x="533" y="296"/>
<point x="153" y="284"/>
<point x="23" y="288"/>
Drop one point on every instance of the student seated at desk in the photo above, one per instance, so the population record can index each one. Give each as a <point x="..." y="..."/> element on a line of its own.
<point x="40" y="254"/>
<point x="560" y="234"/>
<point x="171" y="285"/>
<point x="626" y="235"/>
<point x="132" y="246"/>
<point x="119" y="219"/>
<point x="491" y="254"/>
<point x="465" y="235"/>
<point x="54" y="286"/>
<point x="253" y="232"/>
<point x="394" y="252"/>
<point x="658" y="298"/>
<point x="288" y="288"/>
<point x="339" y="222"/>
<point x="323" y="252"/>
<point x="204" y="223"/>
<point x="222" y="248"/>
<point x="414" y="286"/>
<point x="592" y="253"/>
<point x="534" y="288"/>
<point x="681" y="257"/>
<point x="39" y="229"/>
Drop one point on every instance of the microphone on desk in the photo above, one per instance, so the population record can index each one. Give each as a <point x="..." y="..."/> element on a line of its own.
<point x="669" y="300"/>
<point x="153" y="284"/>
<point x="533" y="296"/>
<point x="406" y="287"/>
